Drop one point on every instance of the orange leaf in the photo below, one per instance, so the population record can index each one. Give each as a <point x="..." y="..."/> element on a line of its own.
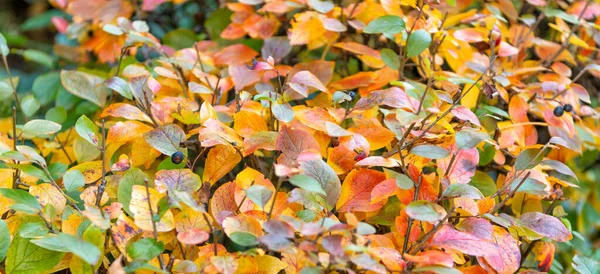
<point x="356" y="191"/>
<point x="292" y="142"/>
<point x="235" y="54"/>
<point x="220" y="160"/>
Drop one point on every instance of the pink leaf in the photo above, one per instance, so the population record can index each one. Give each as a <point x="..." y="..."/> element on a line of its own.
<point x="448" y="237"/>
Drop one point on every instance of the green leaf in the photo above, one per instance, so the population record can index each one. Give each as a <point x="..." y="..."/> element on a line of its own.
<point x="243" y="238"/>
<point x="560" y="167"/>
<point x="133" y="176"/>
<point x="5" y="89"/>
<point x="4" y="239"/>
<point x="165" y="138"/>
<point x="50" y="242"/>
<point x="486" y="155"/>
<point x="23" y="257"/>
<point x="179" y="38"/>
<point x="120" y="86"/>
<point x="82" y="249"/>
<point x="390" y="58"/>
<point x="425" y="211"/>
<point x="307" y="183"/>
<point x="283" y="112"/>
<point x="85" y="85"/>
<point x="137" y="266"/>
<point x="42" y="20"/>
<point x="387" y="24"/>
<point x="404" y="182"/>
<point x="430" y="151"/>
<point x="3" y="46"/>
<point x="466" y="139"/>
<point x="31" y="170"/>
<point x="527" y="159"/>
<point x="39" y="57"/>
<point x="73" y="180"/>
<point x="40" y="128"/>
<point x="45" y="87"/>
<point x="585" y="265"/>
<point x="33" y="230"/>
<point x="87" y="130"/>
<point x="484" y="183"/>
<point x="463" y="191"/>
<point x="19" y="196"/>
<point x="259" y="195"/>
<point x="29" y="105"/>
<point x="217" y="22"/>
<point x="417" y="42"/>
<point x="145" y="249"/>
<point x="56" y="114"/>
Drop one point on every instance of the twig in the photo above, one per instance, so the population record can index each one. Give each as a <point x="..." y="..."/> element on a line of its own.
<point x="279" y="183"/>
<point x="102" y="185"/>
<point x="154" y="230"/>
<point x="410" y="220"/>
<point x="510" y="194"/>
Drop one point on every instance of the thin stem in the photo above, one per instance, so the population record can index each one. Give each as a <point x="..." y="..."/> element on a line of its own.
<point x="512" y="193"/>
<point x="410" y="220"/>
<point x="279" y="183"/>
<point x="154" y="229"/>
<point x="102" y="185"/>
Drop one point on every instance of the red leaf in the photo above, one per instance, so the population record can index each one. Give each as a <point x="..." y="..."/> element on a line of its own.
<point x="292" y="142"/>
<point x="448" y="237"/>
<point x="545" y="225"/>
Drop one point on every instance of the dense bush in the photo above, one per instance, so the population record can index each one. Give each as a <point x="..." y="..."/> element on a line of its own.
<point x="301" y="136"/>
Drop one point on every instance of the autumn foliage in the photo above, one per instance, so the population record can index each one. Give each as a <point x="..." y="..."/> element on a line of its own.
<point x="304" y="136"/>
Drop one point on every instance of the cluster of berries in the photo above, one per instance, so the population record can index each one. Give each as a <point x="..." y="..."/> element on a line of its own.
<point x="560" y="110"/>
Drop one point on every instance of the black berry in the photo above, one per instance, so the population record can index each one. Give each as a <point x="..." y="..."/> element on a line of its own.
<point x="177" y="157"/>
<point x="568" y="107"/>
<point x="559" y="111"/>
<point x="335" y="142"/>
<point x="352" y="94"/>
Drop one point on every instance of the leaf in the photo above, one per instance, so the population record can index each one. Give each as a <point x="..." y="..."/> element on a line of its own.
<point x="462" y="190"/>
<point x="141" y="211"/>
<point x="282" y="112"/>
<point x="165" y="138"/>
<point x="82" y="249"/>
<point x="260" y="195"/>
<point x="182" y="180"/>
<point x="22" y="197"/>
<point x="545" y="225"/>
<point x="145" y="249"/>
<point x="303" y="80"/>
<point x="40" y="128"/>
<point x="29" y="105"/>
<point x="87" y="130"/>
<point x="84" y="85"/>
<point x="430" y="151"/>
<point x="4" y="238"/>
<point x="559" y="167"/>
<point x="387" y="24"/>
<point x="469" y="139"/>
<point x="220" y="160"/>
<point x="120" y="86"/>
<point x="527" y="159"/>
<point x="508" y="259"/>
<point x="47" y="194"/>
<point x="24" y="257"/>
<point x="291" y="142"/>
<point x="243" y="230"/>
<point x="585" y="265"/>
<point x="39" y="57"/>
<point x="417" y="42"/>
<point x="390" y="58"/>
<point x="193" y="236"/>
<point x="356" y="191"/>
<point x="425" y="211"/>
<point x="330" y="183"/>
<point x="448" y="237"/>
<point x="308" y="183"/>
<point x="180" y="38"/>
<point x="3" y="46"/>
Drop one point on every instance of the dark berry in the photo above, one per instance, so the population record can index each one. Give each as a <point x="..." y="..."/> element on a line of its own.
<point x="568" y="107"/>
<point x="361" y="155"/>
<point x="335" y="142"/>
<point x="559" y="111"/>
<point x="177" y="157"/>
<point x="352" y="94"/>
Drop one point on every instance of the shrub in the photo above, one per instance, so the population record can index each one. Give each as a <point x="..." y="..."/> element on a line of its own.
<point x="304" y="136"/>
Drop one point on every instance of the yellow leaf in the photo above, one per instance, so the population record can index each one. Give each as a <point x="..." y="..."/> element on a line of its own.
<point x="247" y="123"/>
<point x="470" y="100"/>
<point x="48" y="194"/>
<point x="141" y="211"/>
<point x="269" y="264"/>
<point x="92" y="171"/>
